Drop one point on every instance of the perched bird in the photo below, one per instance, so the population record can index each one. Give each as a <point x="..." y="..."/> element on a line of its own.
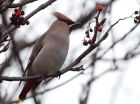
<point x="49" y="52"/>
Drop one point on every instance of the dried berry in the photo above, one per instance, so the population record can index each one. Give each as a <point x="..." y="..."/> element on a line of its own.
<point x="22" y="12"/>
<point x="135" y="21"/>
<point x="136" y="12"/>
<point x="85" y="43"/>
<point x="90" y="30"/>
<point x="87" y="32"/>
<point x="99" y="29"/>
<point x="90" y="41"/>
<point x="87" y="36"/>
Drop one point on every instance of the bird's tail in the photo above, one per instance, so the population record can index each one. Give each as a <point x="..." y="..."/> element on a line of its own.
<point x="31" y="84"/>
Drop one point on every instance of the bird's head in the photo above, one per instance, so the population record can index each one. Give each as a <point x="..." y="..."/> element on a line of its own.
<point x="67" y="20"/>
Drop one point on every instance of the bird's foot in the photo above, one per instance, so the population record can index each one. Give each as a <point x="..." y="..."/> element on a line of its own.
<point x="59" y="74"/>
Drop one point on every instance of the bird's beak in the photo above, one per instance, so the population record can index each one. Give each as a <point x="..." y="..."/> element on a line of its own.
<point x="75" y="25"/>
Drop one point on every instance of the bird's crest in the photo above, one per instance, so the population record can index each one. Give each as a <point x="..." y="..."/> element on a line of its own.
<point x="64" y="18"/>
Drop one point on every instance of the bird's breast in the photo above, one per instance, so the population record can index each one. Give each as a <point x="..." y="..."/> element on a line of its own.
<point x="50" y="58"/>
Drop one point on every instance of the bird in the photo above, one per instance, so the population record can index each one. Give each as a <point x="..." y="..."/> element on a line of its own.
<point x="49" y="52"/>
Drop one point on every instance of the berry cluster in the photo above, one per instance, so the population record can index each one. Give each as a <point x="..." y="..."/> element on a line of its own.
<point x="98" y="28"/>
<point x="88" y="31"/>
<point x="87" y="39"/>
<point x="17" y="18"/>
<point x="85" y="42"/>
<point x="137" y="18"/>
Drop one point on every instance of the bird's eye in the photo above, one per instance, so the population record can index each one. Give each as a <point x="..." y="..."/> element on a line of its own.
<point x="75" y="25"/>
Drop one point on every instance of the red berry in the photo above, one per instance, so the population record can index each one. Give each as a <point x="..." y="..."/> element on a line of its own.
<point x="18" y="14"/>
<point x="99" y="29"/>
<point x="137" y="17"/>
<point x="99" y="8"/>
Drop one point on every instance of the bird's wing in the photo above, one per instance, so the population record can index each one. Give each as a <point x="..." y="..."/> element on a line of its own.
<point x="36" y="49"/>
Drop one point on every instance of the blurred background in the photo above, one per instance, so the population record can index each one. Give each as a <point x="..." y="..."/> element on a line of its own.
<point x="111" y="74"/>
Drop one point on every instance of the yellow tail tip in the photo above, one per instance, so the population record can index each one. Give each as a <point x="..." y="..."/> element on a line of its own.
<point x="21" y="100"/>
